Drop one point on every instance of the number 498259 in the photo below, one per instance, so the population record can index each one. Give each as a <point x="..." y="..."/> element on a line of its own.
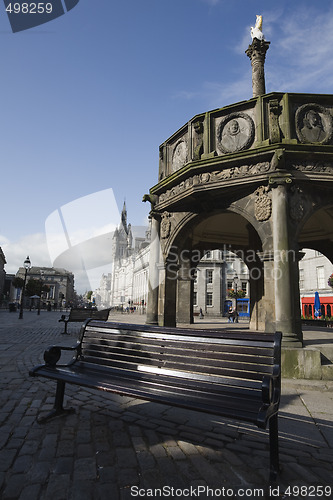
<point x="29" y="8"/>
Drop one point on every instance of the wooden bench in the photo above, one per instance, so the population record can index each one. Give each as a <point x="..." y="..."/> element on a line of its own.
<point x="81" y="315"/>
<point x="235" y="375"/>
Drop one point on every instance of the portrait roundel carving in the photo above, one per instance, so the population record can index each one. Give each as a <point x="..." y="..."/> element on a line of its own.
<point x="179" y="155"/>
<point x="235" y="133"/>
<point x="313" y="124"/>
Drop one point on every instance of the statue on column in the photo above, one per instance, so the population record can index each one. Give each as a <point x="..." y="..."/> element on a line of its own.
<point x="256" y="32"/>
<point x="257" y="53"/>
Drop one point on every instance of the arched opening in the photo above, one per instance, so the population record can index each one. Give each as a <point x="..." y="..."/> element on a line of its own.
<point x="315" y="266"/>
<point x="227" y="234"/>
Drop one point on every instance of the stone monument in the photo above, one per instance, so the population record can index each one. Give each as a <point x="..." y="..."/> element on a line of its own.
<point x="256" y="176"/>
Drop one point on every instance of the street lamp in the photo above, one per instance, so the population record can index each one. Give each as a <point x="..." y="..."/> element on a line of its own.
<point x="27" y="266"/>
<point x="40" y="292"/>
<point x="236" y="292"/>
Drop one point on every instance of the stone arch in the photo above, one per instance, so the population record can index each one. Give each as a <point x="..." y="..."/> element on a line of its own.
<point x="316" y="230"/>
<point x="232" y="229"/>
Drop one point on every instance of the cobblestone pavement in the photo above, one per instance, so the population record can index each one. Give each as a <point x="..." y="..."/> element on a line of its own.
<point x="117" y="447"/>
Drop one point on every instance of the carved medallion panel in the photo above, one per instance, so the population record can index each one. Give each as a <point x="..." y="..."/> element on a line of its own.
<point x="235" y="133"/>
<point x="179" y="155"/>
<point x="313" y="124"/>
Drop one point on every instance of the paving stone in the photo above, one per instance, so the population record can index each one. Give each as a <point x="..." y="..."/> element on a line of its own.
<point x="107" y="492"/>
<point x="31" y="492"/>
<point x="188" y="448"/>
<point x="63" y="465"/>
<point x="158" y="450"/>
<point x="85" y="468"/>
<point x="126" y="457"/>
<point x="57" y="487"/>
<point x="175" y="452"/>
<point x="139" y="444"/>
<point x="6" y="459"/>
<point x="14" y="486"/>
<point x="127" y="477"/>
<point x="22" y="463"/>
<point x="146" y="460"/>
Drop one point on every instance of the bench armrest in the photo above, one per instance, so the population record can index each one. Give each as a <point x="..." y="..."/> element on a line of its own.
<point x="53" y="353"/>
<point x="271" y="389"/>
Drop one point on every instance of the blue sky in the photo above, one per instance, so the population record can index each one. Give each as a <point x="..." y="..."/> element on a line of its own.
<point x="87" y="99"/>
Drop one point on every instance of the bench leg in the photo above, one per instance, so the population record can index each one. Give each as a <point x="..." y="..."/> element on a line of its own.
<point x="58" y="408"/>
<point x="65" y="331"/>
<point x="274" y="447"/>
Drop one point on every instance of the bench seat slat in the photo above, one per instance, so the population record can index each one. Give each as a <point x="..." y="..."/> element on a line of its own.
<point x="222" y="403"/>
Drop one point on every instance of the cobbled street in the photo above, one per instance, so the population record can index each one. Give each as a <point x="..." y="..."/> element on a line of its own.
<point x="116" y="447"/>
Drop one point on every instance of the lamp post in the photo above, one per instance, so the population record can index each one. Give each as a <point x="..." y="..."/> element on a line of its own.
<point x="236" y="294"/>
<point x="41" y="288"/>
<point x="27" y="266"/>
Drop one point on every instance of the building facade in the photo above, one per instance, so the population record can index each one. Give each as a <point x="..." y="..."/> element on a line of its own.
<point x="217" y="278"/>
<point x="314" y="271"/>
<point x="59" y="281"/>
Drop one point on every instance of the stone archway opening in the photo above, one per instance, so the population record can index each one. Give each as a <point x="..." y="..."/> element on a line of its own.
<point x="315" y="266"/>
<point x="231" y="237"/>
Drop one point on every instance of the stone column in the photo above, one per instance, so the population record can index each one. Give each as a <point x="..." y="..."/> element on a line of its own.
<point x="153" y="278"/>
<point x="257" y="53"/>
<point x="284" y="303"/>
<point x="185" y="294"/>
<point x="167" y="295"/>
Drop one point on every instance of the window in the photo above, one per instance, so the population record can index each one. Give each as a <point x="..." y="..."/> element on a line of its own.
<point x="229" y="285"/>
<point x="208" y="255"/>
<point x="209" y="275"/>
<point x="209" y="299"/>
<point x="195" y="299"/>
<point x="320" y="277"/>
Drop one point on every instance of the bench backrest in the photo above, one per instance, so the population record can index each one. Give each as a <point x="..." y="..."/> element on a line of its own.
<point x="83" y="314"/>
<point x="194" y="354"/>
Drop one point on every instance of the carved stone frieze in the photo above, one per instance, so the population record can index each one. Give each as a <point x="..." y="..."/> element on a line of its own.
<point x="313" y="124"/>
<point x="262" y="204"/>
<point x="235" y="133"/>
<point x="326" y="168"/>
<point x="215" y="177"/>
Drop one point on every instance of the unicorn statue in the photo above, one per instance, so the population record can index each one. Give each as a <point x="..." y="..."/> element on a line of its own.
<point x="256" y="32"/>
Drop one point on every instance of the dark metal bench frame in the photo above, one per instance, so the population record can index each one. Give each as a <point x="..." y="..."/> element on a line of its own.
<point x="82" y="315"/>
<point x="232" y="374"/>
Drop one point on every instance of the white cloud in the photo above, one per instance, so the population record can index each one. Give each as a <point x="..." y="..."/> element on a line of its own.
<point x="16" y="252"/>
<point x="298" y="60"/>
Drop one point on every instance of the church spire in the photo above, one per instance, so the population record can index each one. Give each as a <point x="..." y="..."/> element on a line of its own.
<point x="124" y="217"/>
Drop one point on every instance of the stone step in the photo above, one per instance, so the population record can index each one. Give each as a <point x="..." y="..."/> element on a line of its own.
<point x="327" y="372"/>
<point x="327" y="351"/>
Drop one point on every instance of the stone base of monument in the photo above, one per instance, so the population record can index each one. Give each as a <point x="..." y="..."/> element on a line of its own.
<point x="307" y="363"/>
